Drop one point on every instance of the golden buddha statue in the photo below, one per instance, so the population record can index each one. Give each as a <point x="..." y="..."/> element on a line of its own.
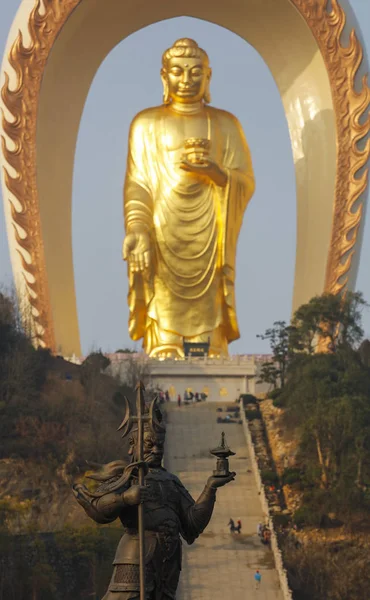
<point x="188" y="182"/>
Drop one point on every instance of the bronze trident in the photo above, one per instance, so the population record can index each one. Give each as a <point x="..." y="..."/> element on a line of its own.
<point x="129" y="420"/>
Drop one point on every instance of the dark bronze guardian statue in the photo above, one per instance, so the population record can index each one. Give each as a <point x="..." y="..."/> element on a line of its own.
<point x="154" y="508"/>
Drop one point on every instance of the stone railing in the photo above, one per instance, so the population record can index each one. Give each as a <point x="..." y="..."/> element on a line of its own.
<point x="282" y="573"/>
<point x="209" y="360"/>
<point x="233" y="359"/>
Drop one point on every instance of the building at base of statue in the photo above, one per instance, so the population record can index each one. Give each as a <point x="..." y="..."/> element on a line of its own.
<point x="220" y="379"/>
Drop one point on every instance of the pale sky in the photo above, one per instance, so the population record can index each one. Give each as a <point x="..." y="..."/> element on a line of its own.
<point x="129" y="78"/>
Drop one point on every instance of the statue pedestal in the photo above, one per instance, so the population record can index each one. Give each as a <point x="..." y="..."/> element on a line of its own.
<point x="220" y="378"/>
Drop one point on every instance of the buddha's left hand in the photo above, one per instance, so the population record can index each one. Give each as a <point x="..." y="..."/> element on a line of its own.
<point x="209" y="170"/>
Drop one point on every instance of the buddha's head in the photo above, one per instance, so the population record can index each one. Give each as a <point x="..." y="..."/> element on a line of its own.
<point x="185" y="73"/>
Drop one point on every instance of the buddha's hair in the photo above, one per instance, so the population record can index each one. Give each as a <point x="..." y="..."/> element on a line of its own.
<point x="187" y="48"/>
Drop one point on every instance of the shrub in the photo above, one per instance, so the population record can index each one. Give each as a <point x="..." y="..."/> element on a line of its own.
<point x="307" y="515"/>
<point x="70" y="564"/>
<point x="278" y="403"/>
<point x="250" y="415"/>
<point x="276" y="397"/>
<point x="282" y="520"/>
<point x="329" y="571"/>
<point x="291" y="476"/>
<point x="269" y="476"/>
<point x="275" y="393"/>
<point x="247" y="399"/>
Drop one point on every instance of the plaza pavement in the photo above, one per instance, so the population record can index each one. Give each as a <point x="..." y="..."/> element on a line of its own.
<point x="219" y="565"/>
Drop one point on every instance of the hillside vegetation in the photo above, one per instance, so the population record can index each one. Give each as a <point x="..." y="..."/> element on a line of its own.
<point x="320" y="379"/>
<point x="53" y="417"/>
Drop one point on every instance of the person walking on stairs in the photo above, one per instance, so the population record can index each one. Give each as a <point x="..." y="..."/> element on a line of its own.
<point x="231" y="524"/>
<point x="257" y="580"/>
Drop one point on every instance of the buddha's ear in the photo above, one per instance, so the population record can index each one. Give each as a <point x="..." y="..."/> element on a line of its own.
<point x="166" y="92"/>
<point x="207" y="93"/>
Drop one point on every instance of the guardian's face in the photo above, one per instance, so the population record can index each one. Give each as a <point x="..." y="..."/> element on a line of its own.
<point x="187" y="79"/>
<point x="153" y="448"/>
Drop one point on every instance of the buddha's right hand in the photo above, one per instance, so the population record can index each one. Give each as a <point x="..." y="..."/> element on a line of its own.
<point x="136" y="249"/>
<point x="136" y="494"/>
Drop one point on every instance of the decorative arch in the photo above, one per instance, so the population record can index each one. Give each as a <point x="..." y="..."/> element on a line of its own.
<point x="54" y="50"/>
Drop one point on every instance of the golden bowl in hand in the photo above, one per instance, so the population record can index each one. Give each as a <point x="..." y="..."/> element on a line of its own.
<point x="197" y="150"/>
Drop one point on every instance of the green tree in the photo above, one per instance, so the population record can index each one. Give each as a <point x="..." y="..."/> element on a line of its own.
<point x="364" y="352"/>
<point x="125" y="351"/>
<point x="96" y="361"/>
<point x="269" y="374"/>
<point x="327" y="400"/>
<point x="90" y="374"/>
<point x="333" y="319"/>
<point x="326" y="396"/>
<point x="279" y="338"/>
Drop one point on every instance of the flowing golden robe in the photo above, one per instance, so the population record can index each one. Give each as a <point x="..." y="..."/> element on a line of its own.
<point x="188" y="292"/>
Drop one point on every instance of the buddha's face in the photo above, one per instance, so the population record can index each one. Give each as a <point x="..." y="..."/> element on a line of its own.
<point x="187" y="79"/>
